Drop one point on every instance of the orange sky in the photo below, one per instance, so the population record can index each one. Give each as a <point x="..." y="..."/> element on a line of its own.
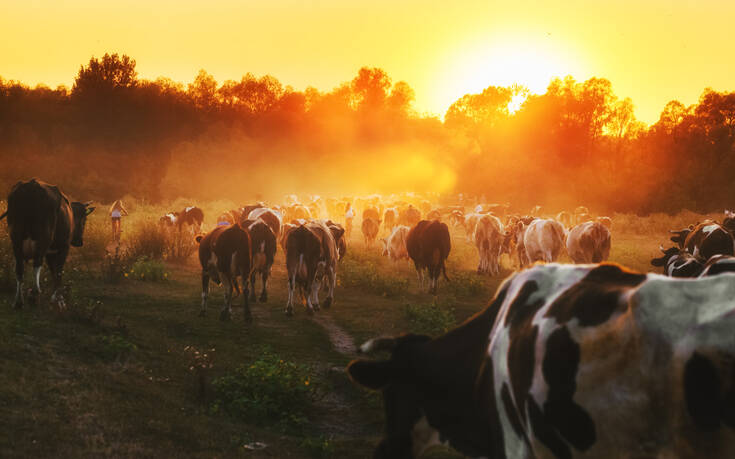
<point x="652" y="51"/>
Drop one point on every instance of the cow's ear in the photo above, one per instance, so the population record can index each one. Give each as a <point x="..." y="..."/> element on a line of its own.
<point x="89" y="210"/>
<point x="371" y="374"/>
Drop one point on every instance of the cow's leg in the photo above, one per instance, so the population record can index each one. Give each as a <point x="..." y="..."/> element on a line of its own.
<point x="312" y="287"/>
<point x="55" y="262"/>
<point x="226" y="312"/>
<point x="253" y="276"/>
<point x="35" y="296"/>
<point x="205" y="292"/>
<point x="331" y="280"/>
<point x="264" y="293"/>
<point x="19" y="268"/>
<point x="291" y="289"/>
<point x="246" y="302"/>
<point x="316" y="285"/>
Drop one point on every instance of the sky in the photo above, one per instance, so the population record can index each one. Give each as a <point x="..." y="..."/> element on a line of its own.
<point x="651" y="51"/>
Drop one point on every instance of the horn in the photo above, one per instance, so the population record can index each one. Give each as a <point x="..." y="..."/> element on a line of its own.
<point x="378" y="344"/>
<point x="87" y="203"/>
<point x="661" y="248"/>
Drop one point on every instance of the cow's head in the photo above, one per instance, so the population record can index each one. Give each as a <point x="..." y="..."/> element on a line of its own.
<point x="667" y="254"/>
<point x="397" y="379"/>
<point x="80" y="210"/>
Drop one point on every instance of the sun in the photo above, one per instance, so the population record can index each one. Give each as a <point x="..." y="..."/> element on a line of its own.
<point x="508" y="62"/>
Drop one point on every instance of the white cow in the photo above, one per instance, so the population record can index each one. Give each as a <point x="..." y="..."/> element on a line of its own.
<point x="589" y="243"/>
<point x="394" y="246"/>
<point x="543" y="240"/>
<point x="488" y="238"/>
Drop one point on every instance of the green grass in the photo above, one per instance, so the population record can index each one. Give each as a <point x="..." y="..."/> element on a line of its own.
<point x="117" y="375"/>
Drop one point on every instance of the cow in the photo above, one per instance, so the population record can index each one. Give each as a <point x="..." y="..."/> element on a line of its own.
<point x="565" y="218"/>
<point x="168" y="220"/>
<point x="456" y="218"/>
<point x="338" y="232"/>
<point x="327" y="267"/>
<point x="677" y="262"/>
<point x="394" y="246"/>
<point x="535" y="211"/>
<point x="568" y="361"/>
<point x="303" y="250"/>
<point x="607" y="221"/>
<point x="390" y="218"/>
<point x="270" y="217"/>
<point x="680" y="236"/>
<point x="225" y="255"/>
<point x="285" y="230"/>
<point x="434" y="215"/>
<point x="543" y="240"/>
<point x="709" y="238"/>
<point x="263" y="242"/>
<point x="718" y="264"/>
<point x="428" y="245"/>
<point x="370" y="228"/>
<point x="409" y="216"/>
<point x="371" y="213"/>
<point x="296" y="212"/>
<point x="588" y="243"/>
<point x="489" y="237"/>
<point x="470" y="223"/>
<point x="43" y="224"/>
<point x="729" y="222"/>
<point x="245" y="210"/>
<point x="190" y="216"/>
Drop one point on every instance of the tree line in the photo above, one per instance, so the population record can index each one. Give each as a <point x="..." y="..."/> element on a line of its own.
<point x="114" y="134"/>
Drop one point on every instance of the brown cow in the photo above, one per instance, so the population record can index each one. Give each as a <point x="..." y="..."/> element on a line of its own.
<point x="370" y="228"/>
<point x="428" y="245"/>
<point x="338" y="232"/>
<point x="270" y="217"/>
<point x="225" y="254"/>
<point x="390" y="218"/>
<point x="263" y="242"/>
<point x="409" y="216"/>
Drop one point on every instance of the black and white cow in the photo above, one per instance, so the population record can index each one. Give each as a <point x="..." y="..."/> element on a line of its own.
<point x="43" y="224"/>
<point x="718" y="264"/>
<point x="569" y="361"/>
<point x="678" y="263"/>
<point x="705" y="240"/>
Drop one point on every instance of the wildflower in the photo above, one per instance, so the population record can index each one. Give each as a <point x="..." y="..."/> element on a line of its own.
<point x="126" y="274"/>
<point x="306" y="383"/>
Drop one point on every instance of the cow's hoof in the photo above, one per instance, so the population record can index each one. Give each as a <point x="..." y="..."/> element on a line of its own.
<point x="327" y="303"/>
<point x="317" y="307"/>
<point x="202" y="313"/>
<point x="224" y="316"/>
<point x="263" y="297"/>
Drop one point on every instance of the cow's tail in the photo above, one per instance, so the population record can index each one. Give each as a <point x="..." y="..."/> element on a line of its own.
<point x="4" y="215"/>
<point x="444" y="271"/>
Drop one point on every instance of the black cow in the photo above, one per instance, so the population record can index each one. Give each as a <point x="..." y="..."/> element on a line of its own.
<point x="225" y="254"/>
<point x="705" y="239"/>
<point x="678" y="263"/>
<point x="428" y="244"/>
<point x="264" y="251"/>
<point x="719" y="264"/>
<point x="43" y="223"/>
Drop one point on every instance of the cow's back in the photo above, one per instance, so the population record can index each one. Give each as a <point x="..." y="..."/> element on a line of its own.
<point x="36" y="210"/>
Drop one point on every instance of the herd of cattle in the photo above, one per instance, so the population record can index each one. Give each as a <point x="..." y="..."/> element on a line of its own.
<point x="566" y="361"/>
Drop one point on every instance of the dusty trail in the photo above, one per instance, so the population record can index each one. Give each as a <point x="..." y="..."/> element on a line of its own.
<point x="340" y="339"/>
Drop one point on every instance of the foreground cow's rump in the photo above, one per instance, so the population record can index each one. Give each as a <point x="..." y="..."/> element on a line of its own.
<point x="43" y="223"/>
<point x="428" y="244"/>
<point x="589" y="243"/>
<point x="569" y="361"/>
<point x="263" y="242"/>
<point x="225" y="254"/>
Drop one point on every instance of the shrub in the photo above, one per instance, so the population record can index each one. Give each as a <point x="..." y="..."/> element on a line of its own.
<point x="115" y="264"/>
<point x="269" y="389"/>
<point x="148" y="270"/>
<point x="432" y="319"/>
<point x="180" y="245"/>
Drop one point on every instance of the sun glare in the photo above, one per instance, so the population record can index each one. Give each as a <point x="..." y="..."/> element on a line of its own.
<point x="515" y="103"/>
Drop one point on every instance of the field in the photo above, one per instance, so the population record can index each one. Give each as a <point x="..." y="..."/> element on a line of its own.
<point x="130" y="370"/>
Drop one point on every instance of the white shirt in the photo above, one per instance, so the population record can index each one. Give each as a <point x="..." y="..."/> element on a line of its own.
<point x="115" y="213"/>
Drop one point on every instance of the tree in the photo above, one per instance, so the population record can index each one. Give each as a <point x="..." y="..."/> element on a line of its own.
<point x="105" y="75"/>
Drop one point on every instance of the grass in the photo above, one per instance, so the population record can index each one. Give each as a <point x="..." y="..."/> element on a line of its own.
<point x="119" y="374"/>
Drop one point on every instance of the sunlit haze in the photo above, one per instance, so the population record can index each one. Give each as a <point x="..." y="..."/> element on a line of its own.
<point x="652" y="52"/>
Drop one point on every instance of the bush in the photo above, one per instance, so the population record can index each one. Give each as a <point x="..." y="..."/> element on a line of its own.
<point x="180" y="245"/>
<point x="148" y="270"/>
<point x="116" y="264"/>
<point x="431" y="319"/>
<point x="269" y="390"/>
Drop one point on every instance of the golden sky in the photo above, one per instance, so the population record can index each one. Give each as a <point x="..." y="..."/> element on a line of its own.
<point x="652" y="51"/>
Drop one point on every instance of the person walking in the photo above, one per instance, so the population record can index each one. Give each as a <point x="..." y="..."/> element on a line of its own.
<point x="117" y="211"/>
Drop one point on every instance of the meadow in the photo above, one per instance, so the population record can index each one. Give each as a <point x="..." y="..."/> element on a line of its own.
<point x="131" y="370"/>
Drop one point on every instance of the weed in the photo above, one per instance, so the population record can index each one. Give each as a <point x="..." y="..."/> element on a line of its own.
<point x="149" y="240"/>
<point x="365" y="275"/>
<point x="148" y="270"/>
<point x="114" y="347"/>
<point x="465" y="283"/>
<point x="269" y="389"/>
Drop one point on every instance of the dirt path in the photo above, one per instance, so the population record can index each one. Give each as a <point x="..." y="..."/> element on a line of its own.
<point x="341" y="340"/>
